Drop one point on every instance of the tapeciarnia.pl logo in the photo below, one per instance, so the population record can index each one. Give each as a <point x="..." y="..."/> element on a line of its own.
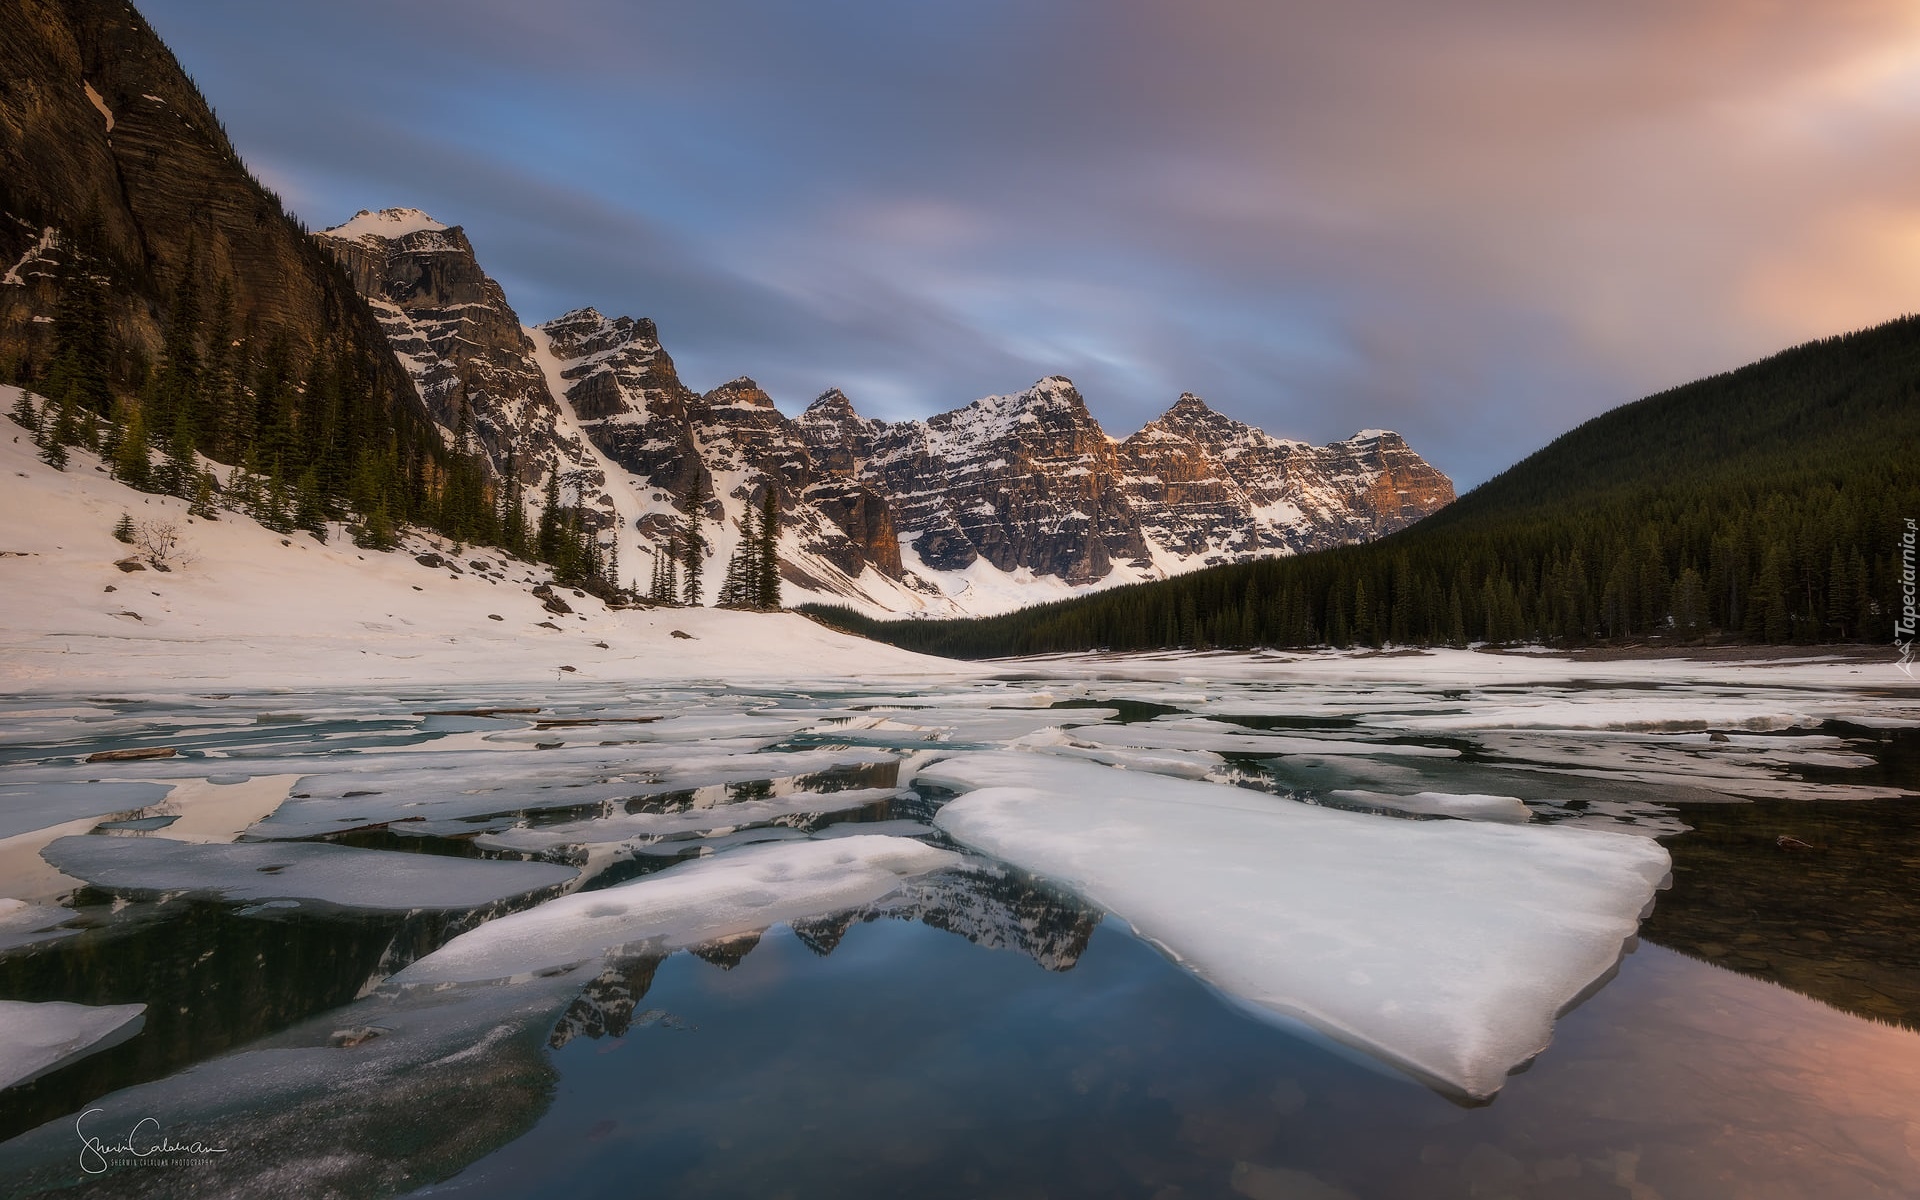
<point x="1903" y="625"/>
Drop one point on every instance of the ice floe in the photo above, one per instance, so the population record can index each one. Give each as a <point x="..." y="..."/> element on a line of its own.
<point x="686" y="905"/>
<point x="463" y="785"/>
<point x="656" y="826"/>
<point x="306" y="871"/>
<point x="1445" y="947"/>
<point x="25" y="807"/>
<point x="37" y="1038"/>
<point x="1441" y="804"/>
<point x="1220" y="738"/>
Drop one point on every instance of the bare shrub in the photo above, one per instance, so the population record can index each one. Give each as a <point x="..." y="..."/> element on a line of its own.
<point x="162" y="546"/>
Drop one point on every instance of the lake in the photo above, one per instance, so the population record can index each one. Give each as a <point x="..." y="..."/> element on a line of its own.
<point x="1247" y="928"/>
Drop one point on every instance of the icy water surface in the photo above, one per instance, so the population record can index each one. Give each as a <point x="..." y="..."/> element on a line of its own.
<point x="723" y="942"/>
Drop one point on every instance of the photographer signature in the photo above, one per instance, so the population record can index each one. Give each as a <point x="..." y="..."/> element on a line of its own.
<point x="144" y="1140"/>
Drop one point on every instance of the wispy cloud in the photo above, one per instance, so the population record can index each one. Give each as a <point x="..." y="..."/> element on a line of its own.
<point x="1480" y="223"/>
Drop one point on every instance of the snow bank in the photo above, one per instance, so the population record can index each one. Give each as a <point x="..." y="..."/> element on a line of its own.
<point x="315" y="871"/>
<point x="258" y="610"/>
<point x="37" y="1038"/>
<point x="685" y="905"/>
<point x="1445" y="947"/>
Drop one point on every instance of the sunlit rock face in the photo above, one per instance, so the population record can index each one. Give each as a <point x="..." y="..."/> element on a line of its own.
<point x="1209" y="486"/>
<point x="1006" y="501"/>
<point x="1030" y="482"/>
<point x="452" y="328"/>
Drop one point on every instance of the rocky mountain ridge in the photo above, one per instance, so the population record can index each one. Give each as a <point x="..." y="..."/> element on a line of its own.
<point x="1006" y="501"/>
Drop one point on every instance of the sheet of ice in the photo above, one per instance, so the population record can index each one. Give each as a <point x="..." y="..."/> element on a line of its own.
<point x="1221" y="738"/>
<point x="899" y="827"/>
<point x="655" y="826"/>
<point x="37" y="1038"/>
<point x="1445" y="947"/>
<point x="684" y="905"/>
<point x="308" y="871"/>
<point x="466" y="785"/>
<point x="1184" y="764"/>
<point x="1443" y="804"/>
<point x="25" y="807"/>
<point x="23" y="924"/>
<point x="1675" y="709"/>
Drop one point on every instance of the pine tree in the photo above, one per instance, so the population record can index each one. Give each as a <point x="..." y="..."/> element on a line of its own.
<point x="376" y="532"/>
<point x="740" y="584"/>
<point x="271" y="510"/>
<point x="1689" y="603"/>
<point x="202" y="505"/>
<point x="123" y="529"/>
<point x="693" y="542"/>
<point x="131" y="465"/>
<point x="178" y="467"/>
<point x="26" y="414"/>
<point x="547" y="540"/>
<point x="669" y="562"/>
<point x="766" y="587"/>
<point x="309" y="511"/>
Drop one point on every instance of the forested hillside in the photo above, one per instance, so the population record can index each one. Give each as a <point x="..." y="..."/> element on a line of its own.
<point x="1765" y="504"/>
<point x="164" y="307"/>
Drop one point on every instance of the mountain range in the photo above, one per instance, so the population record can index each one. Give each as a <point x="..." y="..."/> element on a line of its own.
<point x="159" y="297"/>
<point x="996" y="504"/>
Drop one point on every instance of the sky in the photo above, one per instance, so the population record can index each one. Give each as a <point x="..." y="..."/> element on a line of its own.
<point x="1478" y="223"/>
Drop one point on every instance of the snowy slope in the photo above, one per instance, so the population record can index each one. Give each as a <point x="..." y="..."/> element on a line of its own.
<point x="255" y="609"/>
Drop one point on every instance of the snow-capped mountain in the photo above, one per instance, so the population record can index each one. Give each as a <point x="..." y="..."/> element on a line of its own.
<point x="451" y="327"/>
<point x="1007" y="501"/>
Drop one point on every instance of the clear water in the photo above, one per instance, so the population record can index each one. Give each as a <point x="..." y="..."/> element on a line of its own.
<point x="980" y="1032"/>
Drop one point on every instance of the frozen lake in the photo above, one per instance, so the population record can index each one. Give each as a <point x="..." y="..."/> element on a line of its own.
<point x="1171" y="927"/>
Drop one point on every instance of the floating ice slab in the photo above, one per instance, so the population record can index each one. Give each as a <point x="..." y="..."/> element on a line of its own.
<point x="473" y="784"/>
<point x="37" y="1038"/>
<point x="22" y="924"/>
<point x="684" y="906"/>
<point x="315" y="871"/>
<point x="1227" y="739"/>
<point x="25" y="807"/>
<point x="650" y="826"/>
<point x="1443" y="804"/>
<point x="1444" y="947"/>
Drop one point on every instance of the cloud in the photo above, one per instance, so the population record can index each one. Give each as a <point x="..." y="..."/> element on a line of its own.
<point x="1480" y="223"/>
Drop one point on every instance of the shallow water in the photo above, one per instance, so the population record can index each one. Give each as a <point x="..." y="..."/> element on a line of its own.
<point x="977" y="1031"/>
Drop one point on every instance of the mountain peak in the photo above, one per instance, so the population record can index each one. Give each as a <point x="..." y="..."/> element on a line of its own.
<point x="741" y="392"/>
<point x="387" y="223"/>
<point x="832" y="403"/>
<point x="1376" y="435"/>
<point x="1189" y="405"/>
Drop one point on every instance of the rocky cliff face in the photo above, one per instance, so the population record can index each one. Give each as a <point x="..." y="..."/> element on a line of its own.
<point x="1005" y="501"/>
<point x="628" y="400"/>
<point x="452" y="328"/>
<point x="1211" y="489"/>
<point x="1032" y="486"/>
<point x="110" y="155"/>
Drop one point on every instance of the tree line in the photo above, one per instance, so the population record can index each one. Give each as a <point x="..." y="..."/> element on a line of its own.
<point x="1764" y="505"/>
<point x="296" y="438"/>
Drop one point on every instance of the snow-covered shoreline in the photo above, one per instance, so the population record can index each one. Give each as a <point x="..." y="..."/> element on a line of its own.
<point x="254" y="609"/>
